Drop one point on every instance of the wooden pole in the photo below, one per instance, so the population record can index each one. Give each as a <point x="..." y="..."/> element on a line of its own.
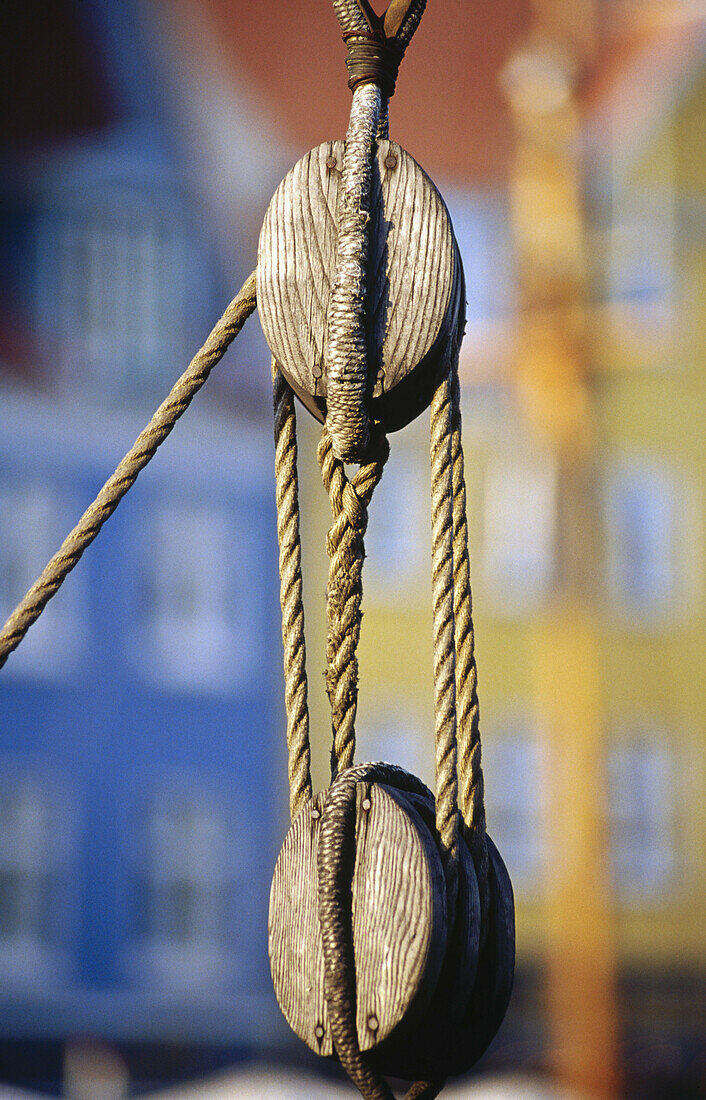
<point x="554" y="391"/>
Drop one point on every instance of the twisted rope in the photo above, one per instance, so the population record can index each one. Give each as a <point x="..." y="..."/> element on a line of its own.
<point x="470" y="772"/>
<point x="349" y="500"/>
<point x="444" y="629"/>
<point x="291" y="597"/>
<point x="115" y="488"/>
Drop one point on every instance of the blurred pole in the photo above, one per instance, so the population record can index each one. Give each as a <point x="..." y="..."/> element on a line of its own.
<point x="552" y="385"/>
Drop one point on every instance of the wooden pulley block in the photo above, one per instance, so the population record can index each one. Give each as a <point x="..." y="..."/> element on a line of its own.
<point x="414" y="280"/>
<point x="473" y="992"/>
<point x="496" y="969"/>
<point x="420" y="1049"/>
<point x="398" y="919"/>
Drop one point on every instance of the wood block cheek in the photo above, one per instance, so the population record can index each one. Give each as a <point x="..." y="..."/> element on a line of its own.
<point x="296" y="955"/>
<point x="399" y="913"/>
<point x="399" y="924"/>
<point x="411" y="280"/>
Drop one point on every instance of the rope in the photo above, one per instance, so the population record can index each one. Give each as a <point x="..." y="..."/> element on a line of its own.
<point x="444" y="628"/>
<point x="291" y="597"/>
<point x="383" y="133"/>
<point x="470" y="772"/>
<point x="346" y="348"/>
<point x="376" y="47"/>
<point x="335" y="862"/>
<point x="115" y="488"/>
<point x="425" y="1090"/>
<point x="349" y="500"/>
<point x="376" y="44"/>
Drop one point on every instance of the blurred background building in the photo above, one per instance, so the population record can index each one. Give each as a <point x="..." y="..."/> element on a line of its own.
<point x="142" y="789"/>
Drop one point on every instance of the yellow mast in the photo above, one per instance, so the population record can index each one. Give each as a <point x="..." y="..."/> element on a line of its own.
<point x="552" y="385"/>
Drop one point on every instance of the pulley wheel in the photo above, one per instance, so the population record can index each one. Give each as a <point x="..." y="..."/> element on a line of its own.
<point x="421" y="1051"/>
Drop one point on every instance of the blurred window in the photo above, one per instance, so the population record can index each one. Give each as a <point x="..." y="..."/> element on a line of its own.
<point x="32" y="848"/>
<point x="481" y="228"/>
<point x="186" y="874"/>
<point x="32" y="524"/>
<point x="194" y="574"/>
<point x="397" y="539"/>
<point x="25" y="862"/>
<point x="648" y="542"/>
<point x="511" y="766"/>
<point x="642" y="247"/>
<point x="519" y="532"/>
<point x="642" y="792"/>
<point x="185" y="887"/>
<point x="397" y="735"/>
<point x="120" y="297"/>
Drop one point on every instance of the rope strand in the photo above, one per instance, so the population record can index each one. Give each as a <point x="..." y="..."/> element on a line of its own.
<point x="443" y="626"/>
<point x="291" y="595"/>
<point x="346" y="345"/>
<point x="55" y="572"/>
<point x="470" y="772"/>
<point x="345" y="545"/>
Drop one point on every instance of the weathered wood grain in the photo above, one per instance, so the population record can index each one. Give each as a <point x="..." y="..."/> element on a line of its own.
<point x="412" y="272"/>
<point x="399" y="912"/>
<point x="420" y="1049"/>
<point x="399" y="924"/>
<point x="296" y="956"/>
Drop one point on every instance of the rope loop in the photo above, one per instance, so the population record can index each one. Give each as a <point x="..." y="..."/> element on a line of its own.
<point x="376" y="46"/>
<point x="335" y="860"/>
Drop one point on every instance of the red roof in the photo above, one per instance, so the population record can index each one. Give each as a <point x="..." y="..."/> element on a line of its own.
<point x="449" y="111"/>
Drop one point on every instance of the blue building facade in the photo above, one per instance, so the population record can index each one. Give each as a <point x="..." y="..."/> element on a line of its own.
<point x="140" y="720"/>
